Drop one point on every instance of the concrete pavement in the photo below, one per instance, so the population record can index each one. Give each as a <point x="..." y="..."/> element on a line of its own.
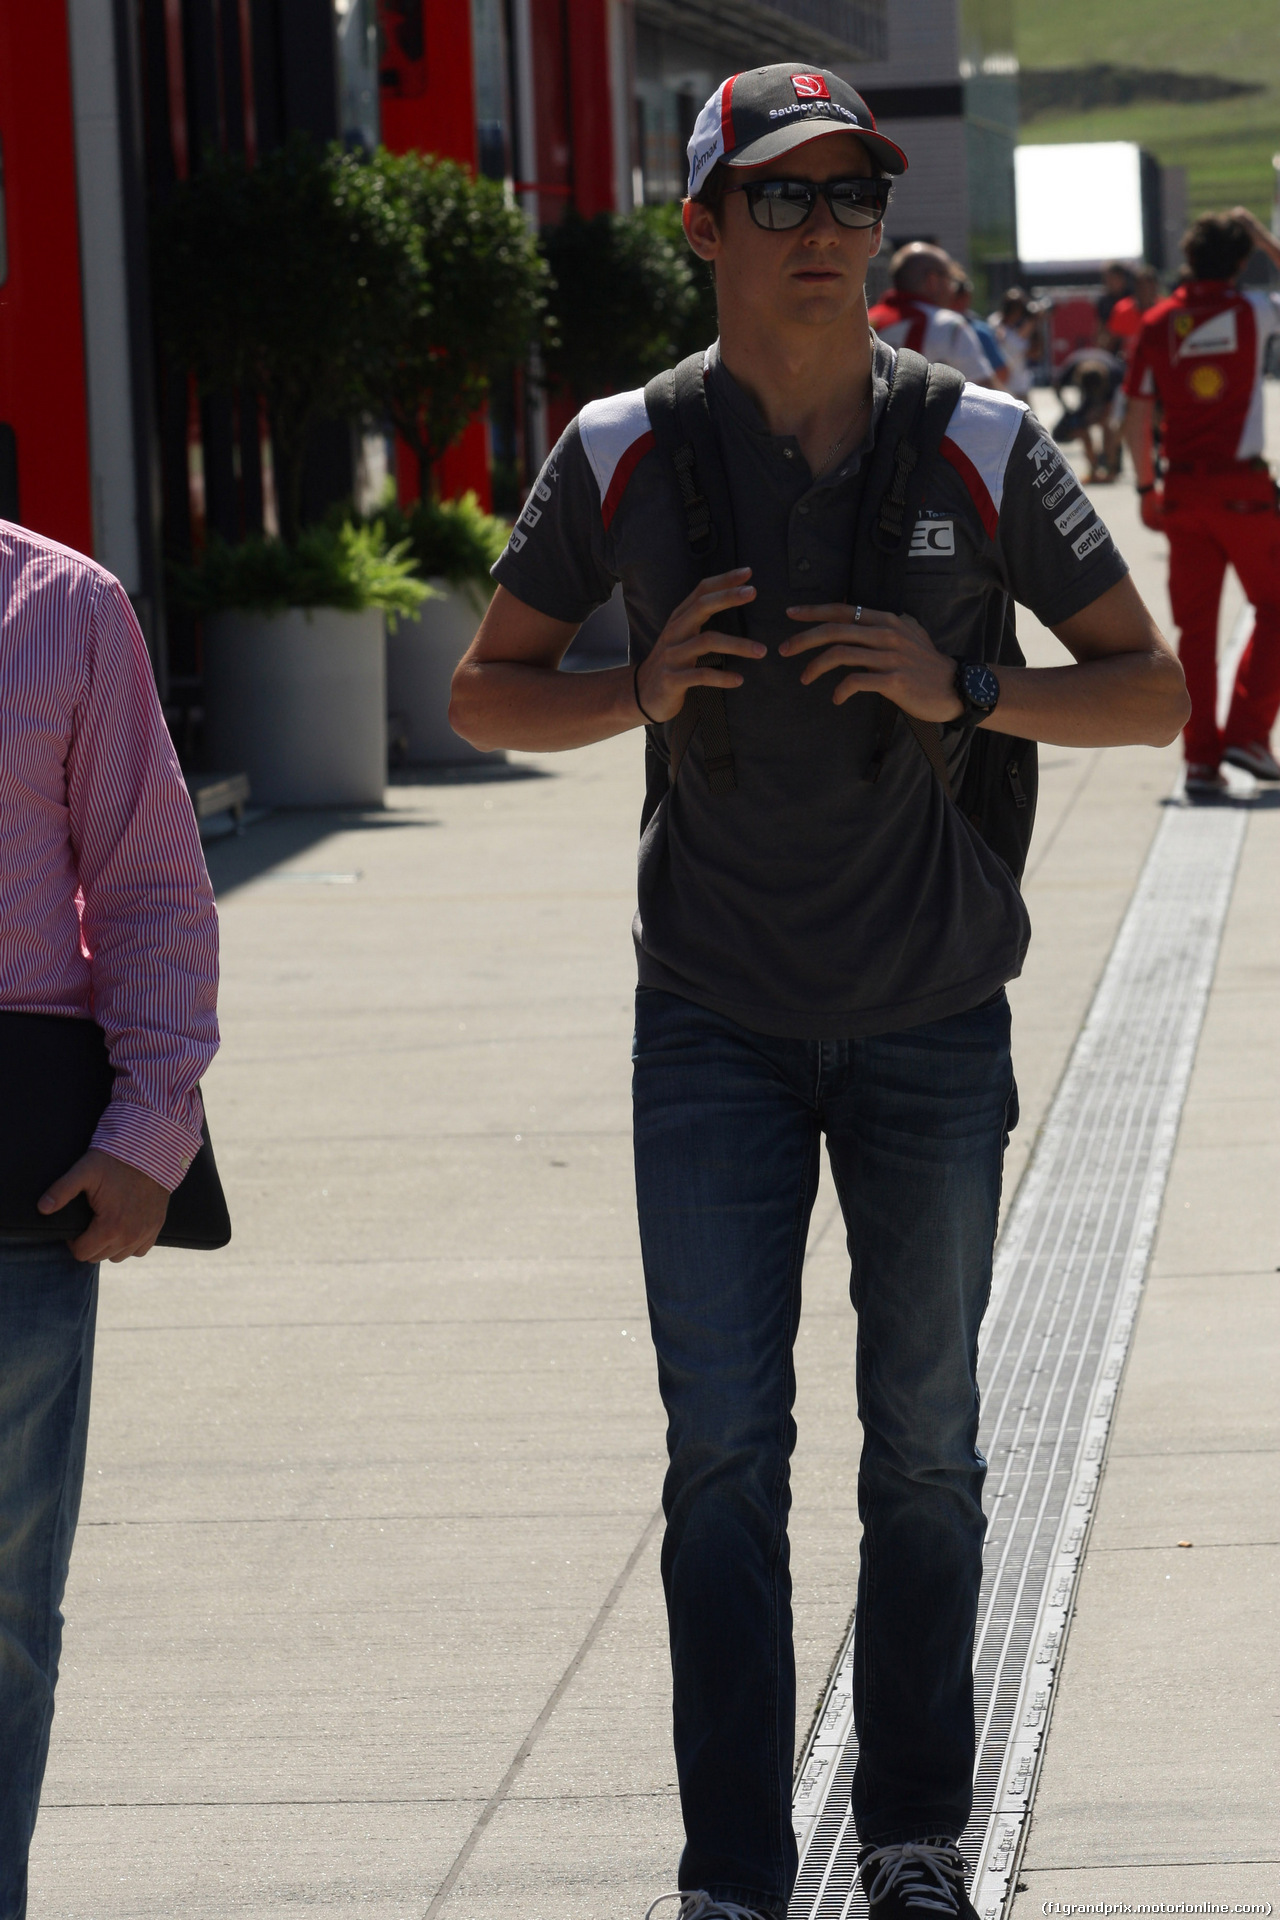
<point x="371" y="1494"/>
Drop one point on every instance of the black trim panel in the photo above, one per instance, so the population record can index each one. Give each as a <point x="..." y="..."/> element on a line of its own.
<point x="942" y="102"/>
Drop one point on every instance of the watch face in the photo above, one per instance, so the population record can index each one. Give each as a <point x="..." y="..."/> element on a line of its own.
<point x="982" y="687"/>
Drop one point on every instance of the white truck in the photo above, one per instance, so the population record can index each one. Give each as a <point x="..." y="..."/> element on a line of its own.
<point x="1083" y="205"/>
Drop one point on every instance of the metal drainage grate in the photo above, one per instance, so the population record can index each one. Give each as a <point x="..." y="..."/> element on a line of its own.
<point x="1068" y="1276"/>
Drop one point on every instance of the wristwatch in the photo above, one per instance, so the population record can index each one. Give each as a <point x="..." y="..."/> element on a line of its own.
<point x="979" y="689"/>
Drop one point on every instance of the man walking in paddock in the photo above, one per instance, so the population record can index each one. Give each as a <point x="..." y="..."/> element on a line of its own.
<point x="106" y="912"/>
<point x="919" y="312"/>
<point x="823" y="938"/>
<point x="1200" y="356"/>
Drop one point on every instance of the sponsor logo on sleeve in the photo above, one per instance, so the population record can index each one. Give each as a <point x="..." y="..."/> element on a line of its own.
<point x="532" y="513"/>
<point x="933" y="540"/>
<point x="1050" y="466"/>
<point x="1056" y="495"/>
<point x="1074" y="514"/>
<point x="810" y="86"/>
<point x="1091" y="537"/>
<point x="1216" y="335"/>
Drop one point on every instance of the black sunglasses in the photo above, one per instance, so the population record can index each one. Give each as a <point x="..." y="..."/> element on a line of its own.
<point x="778" y="204"/>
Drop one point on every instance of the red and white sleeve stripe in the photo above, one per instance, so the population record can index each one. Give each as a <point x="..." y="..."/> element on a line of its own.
<point x="978" y="442"/>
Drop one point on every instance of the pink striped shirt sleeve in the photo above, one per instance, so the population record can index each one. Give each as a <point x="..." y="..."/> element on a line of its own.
<point x="106" y="829"/>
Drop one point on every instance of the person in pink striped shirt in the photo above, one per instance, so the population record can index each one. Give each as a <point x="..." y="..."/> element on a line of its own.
<point x="106" y="911"/>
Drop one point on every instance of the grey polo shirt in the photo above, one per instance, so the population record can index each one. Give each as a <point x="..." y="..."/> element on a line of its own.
<point x="813" y="902"/>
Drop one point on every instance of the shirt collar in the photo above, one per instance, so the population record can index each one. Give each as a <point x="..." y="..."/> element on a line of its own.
<point x="738" y="402"/>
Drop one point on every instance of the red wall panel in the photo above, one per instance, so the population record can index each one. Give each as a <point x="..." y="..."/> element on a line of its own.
<point x="590" y="77"/>
<point x="42" y="378"/>
<point x="428" y="103"/>
<point x="549" y="31"/>
<point x="428" y="93"/>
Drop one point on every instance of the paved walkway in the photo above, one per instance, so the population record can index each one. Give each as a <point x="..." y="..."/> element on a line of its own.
<point x="367" y="1572"/>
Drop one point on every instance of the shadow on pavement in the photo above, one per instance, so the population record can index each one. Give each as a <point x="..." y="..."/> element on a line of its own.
<point x="481" y="774"/>
<point x="240" y="858"/>
<point x="1267" y="797"/>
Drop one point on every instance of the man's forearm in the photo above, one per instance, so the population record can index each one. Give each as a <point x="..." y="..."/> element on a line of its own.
<point x="1137" y="433"/>
<point x="1126" y="699"/>
<point x="149" y="919"/>
<point x="500" y="703"/>
<point x="1264" y="240"/>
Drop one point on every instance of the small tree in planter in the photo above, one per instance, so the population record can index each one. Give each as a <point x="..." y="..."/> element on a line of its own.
<point x="284" y="278"/>
<point x="629" y="300"/>
<point x="479" y="307"/>
<point x="483" y="306"/>
<point x="700" y="322"/>
<point x="287" y="278"/>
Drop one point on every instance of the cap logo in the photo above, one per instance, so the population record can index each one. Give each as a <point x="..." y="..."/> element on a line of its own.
<point x="810" y="86"/>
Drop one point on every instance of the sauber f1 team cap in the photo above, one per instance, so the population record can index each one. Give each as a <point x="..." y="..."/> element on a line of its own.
<point x="756" y="116"/>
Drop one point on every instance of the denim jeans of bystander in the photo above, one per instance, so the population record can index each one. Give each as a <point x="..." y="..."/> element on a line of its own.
<point x="728" y="1125"/>
<point x="48" y="1306"/>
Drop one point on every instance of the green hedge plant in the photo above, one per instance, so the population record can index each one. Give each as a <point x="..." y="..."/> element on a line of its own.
<point x="350" y="567"/>
<point x="453" y="540"/>
<point x="629" y="299"/>
<point x="334" y="284"/>
<point x="478" y="309"/>
<point x="286" y="279"/>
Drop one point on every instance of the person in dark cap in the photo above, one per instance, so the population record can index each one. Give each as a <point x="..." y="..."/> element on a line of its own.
<point x="823" y="941"/>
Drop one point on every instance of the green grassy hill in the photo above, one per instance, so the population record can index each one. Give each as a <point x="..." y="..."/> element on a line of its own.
<point x="1225" y="145"/>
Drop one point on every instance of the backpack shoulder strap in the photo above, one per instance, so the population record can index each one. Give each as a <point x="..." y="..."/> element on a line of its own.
<point x="922" y="398"/>
<point x="686" y="441"/>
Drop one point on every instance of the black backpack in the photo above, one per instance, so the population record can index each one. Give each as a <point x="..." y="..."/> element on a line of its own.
<point x="997" y="791"/>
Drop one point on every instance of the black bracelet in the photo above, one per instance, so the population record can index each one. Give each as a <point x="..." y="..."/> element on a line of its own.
<point x="1149" y="488"/>
<point x="635" y="680"/>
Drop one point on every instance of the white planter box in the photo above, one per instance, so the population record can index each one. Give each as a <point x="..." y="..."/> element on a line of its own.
<point x="297" y="701"/>
<point x="421" y="656"/>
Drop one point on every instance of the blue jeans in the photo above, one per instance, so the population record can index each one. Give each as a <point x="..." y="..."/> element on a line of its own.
<point x="48" y="1304"/>
<point x="727" y="1130"/>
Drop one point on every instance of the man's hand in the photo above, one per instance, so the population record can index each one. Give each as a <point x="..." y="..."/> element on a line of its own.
<point x="1151" y="507"/>
<point x="1262" y="237"/>
<point x="129" y="1207"/>
<point x="669" y="671"/>
<point x="887" y="653"/>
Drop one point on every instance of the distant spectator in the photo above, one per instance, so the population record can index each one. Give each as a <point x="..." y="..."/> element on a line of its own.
<point x="1014" y="326"/>
<point x="1124" y="322"/>
<point x="916" y="313"/>
<point x="962" y="301"/>
<point x="1122" y="330"/>
<point x="1096" y="375"/>
<point x="1117" y="285"/>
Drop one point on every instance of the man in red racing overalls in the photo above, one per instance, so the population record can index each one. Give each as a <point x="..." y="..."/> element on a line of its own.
<point x="1201" y="355"/>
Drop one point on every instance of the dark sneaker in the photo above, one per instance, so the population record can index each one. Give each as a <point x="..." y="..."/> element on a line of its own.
<point x="701" y="1906"/>
<point x="916" y="1880"/>
<point x="1254" y="757"/>
<point x="1204" y="782"/>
